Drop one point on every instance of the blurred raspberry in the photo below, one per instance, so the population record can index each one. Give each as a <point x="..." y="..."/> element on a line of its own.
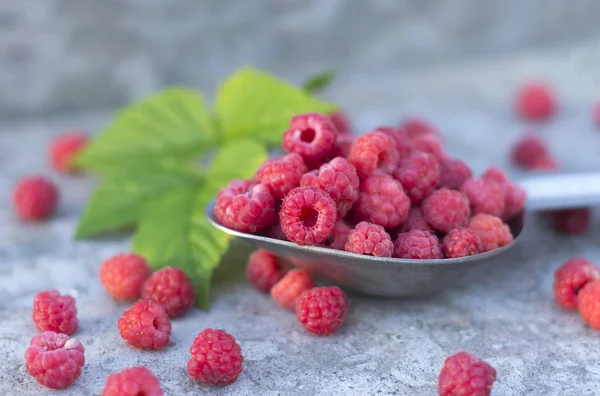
<point x="172" y="289"/>
<point x="311" y="135"/>
<point x="589" y="304"/>
<point x="372" y="152"/>
<point x="123" y="275"/>
<point x="417" y="244"/>
<point x="341" y="123"/>
<point x="535" y="101"/>
<point x="382" y="201"/>
<point x="445" y="209"/>
<point x="370" y="239"/>
<point x="515" y="194"/>
<point x="263" y="270"/>
<point x="288" y="289"/>
<point x="133" y="381"/>
<point x="403" y="143"/>
<point x="529" y="152"/>
<point x="453" y="173"/>
<point x="53" y="311"/>
<point x="571" y="221"/>
<point x="35" y="198"/>
<point x="430" y="144"/>
<point x="461" y="242"/>
<point x="415" y="127"/>
<point x="245" y="206"/>
<point x="491" y="230"/>
<point x="419" y="175"/>
<point x="63" y="150"/>
<point x="485" y="196"/>
<point x="282" y="174"/>
<point x="464" y="374"/>
<point x="570" y="278"/>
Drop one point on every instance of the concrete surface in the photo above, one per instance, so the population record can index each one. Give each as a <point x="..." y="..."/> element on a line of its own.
<point x="505" y="313"/>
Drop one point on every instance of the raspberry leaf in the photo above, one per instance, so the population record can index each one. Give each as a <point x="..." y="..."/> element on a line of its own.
<point x="318" y="82"/>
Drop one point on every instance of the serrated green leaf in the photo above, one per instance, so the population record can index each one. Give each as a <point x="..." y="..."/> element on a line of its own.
<point x="251" y="103"/>
<point x="234" y="159"/>
<point x="173" y="124"/>
<point x="318" y="82"/>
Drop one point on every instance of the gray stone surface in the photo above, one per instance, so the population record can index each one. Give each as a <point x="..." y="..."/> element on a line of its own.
<point x="504" y="313"/>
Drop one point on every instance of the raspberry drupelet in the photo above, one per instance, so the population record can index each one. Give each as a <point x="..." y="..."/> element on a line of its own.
<point x="264" y="270"/>
<point x="417" y="244"/>
<point x="288" y="289"/>
<point x="53" y="311"/>
<point x="123" y="275"/>
<point x="369" y="239"/>
<point x="453" y="173"/>
<point x="245" y="206"/>
<point x="216" y="358"/>
<point x="570" y="278"/>
<point x="172" y="289"/>
<point x="322" y="310"/>
<point x="63" y="150"/>
<point x="461" y="242"/>
<point x="446" y="209"/>
<point x="339" y="235"/>
<point x="485" y="196"/>
<point x="133" y="381"/>
<point x="403" y="143"/>
<point x="492" y="232"/>
<point x="529" y="152"/>
<point x="372" y="152"/>
<point x="311" y="135"/>
<point x="35" y="198"/>
<point x="465" y="374"/>
<point x="282" y="174"/>
<point x="382" y="201"/>
<point x="535" y="101"/>
<point x="145" y="325"/>
<point x="419" y="175"/>
<point x="589" y="304"/>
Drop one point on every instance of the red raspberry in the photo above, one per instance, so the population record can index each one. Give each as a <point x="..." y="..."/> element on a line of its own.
<point x="485" y="196"/>
<point x="374" y="151"/>
<point x="245" y="206"/>
<point x="340" y="121"/>
<point x="403" y="143"/>
<point x="145" y="325"/>
<point x="281" y="174"/>
<point x="322" y="310"/>
<point x="263" y="270"/>
<point x="216" y="358"/>
<point x="571" y="221"/>
<point x="453" y="173"/>
<point x="491" y="230"/>
<point x="339" y="179"/>
<point x="544" y="164"/>
<point x="416" y="127"/>
<point x="311" y="135"/>
<point x="382" y="201"/>
<point x="339" y="235"/>
<point x="446" y="209"/>
<point x="419" y="175"/>
<point x="55" y="312"/>
<point x="133" y="381"/>
<point x="461" y="242"/>
<point x="430" y="144"/>
<point x="288" y="289"/>
<point x="307" y="215"/>
<point x="343" y="144"/>
<point x="416" y="221"/>
<point x="35" y="198"/>
<point x="64" y="149"/>
<point x="515" y="194"/>
<point x="417" y="244"/>
<point x="570" y="278"/>
<point x="124" y="275"/>
<point x="55" y="360"/>
<point x="370" y="239"/>
<point x="276" y="232"/>
<point x="529" y="151"/>
<point x="535" y="101"/>
<point x="596" y="114"/>
<point x="466" y="375"/>
<point x="589" y="304"/>
<point x="172" y="289"/>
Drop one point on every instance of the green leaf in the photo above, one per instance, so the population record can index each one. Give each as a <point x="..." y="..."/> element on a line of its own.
<point x="171" y="125"/>
<point x="318" y="82"/>
<point x="251" y="103"/>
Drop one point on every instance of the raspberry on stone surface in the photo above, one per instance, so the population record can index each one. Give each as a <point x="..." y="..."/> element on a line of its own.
<point x="216" y="358"/>
<point x="461" y="242"/>
<point x="53" y="311"/>
<point x="264" y="270"/>
<point x="339" y="235"/>
<point x="445" y="209"/>
<point x="311" y="135"/>
<point x="403" y="143"/>
<point x="288" y="289"/>
<point x="571" y="221"/>
<point x="530" y="152"/>
<point x="65" y="148"/>
<point x="485" y="196"/>
<point x="35" y="198"/>
<point x="145" y="325"/>
<point x="535" y="101"/>
<point x="570" y="278"/>
<point x="373" y="152"/>
<point x="453" y="173"/>
<point x="54" y="359"/>
<point x="419" y="174"/>
<point x="490" y="229"/>
<point x="369" y="239"/>
<point x="417" y="244"/>
<point x="171" y="288"/>
<point x="382" y="201"/>
<point x="123" y="275"/>
<point x="133" y="381"/>
<point x="322" y="310"/>
<point x="464" y="374"/>
<point x="281" y="174"/>
<point x="589" y="304"/>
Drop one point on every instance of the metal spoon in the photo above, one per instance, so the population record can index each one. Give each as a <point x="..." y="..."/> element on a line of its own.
<point x="393" y="277"/>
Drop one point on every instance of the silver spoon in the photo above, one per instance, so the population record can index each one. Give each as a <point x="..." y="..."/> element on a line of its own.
<point x="394" y="277"/>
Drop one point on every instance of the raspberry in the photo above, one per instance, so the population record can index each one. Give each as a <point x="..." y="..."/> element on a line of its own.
<point x="461" y="242"/>
<point x="515" y="194"/>
<point x="589" y="304"/>
<point x="535" y="101"/>
<point x="276" y="232"/>
<point x="343" y="144"/>
<point x="417" y="244"/>
<point x="307" y="215"/>
<point x="339" y="235"/>
<point x="485" y="196"/>
<point x="54" y="359"/>
<point x="281" y="175"/>
<point x="133" y="381"/>
<point x="311" y="135"/>
<point x="172" y="289"/>
<point x="544" y="164"/>
<point x="446" y="209"/>
<point x="64" y="148"/>
<point x="596" y="114"/>
<point x="370" y="239"/>
<point x="382" y="201"/>
<point x="415" y="221"/>
<point x="322" y="310"/>
<point x="453" y="173"/>
<point x="491" y="230"/>
<point x="464" y="374"/>
<point x="124" y="275"/>
<point x="416" y="127"/>
<point x="55" y="312"/>
<point x="419" y="175"/>
<point x="571" y="221"/>
<point x="288" y="289"/>
<point x="245" y="206"/>
<point x="430" y="144"/>
<point x="339" y="179"/>
<point x="529" y="151"/>
<point x="145" y="325"/>
<point x="340" y="121"/>
<point x="263" y="270"/>
<point x="35" y="198"/>
<point x="570" y="278"/>
<point x="403" y="143"/>
<point x="374" y="151"/>
<point x="216" y="358"/>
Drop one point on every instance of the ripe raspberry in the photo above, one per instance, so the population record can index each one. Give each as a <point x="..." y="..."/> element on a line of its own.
<point x="485" y="196"/>
<point x="419" y="175"/>
<point x="446" y="209"/>
<point x="288" y="289"/>
<point x="35" y="198"/>
<point x="453" y="173"/>
<point x="311" y="135"/>
<point x="307" y="215"/>
<point x="55" y="312"/>
<point x="461" y="242"/>
<point x="339" y="235"/>
<point x="491" y="230"/>
<point x="370" y="239"/>
<point x="535" y="101"/>
<point x="339" y="179"/>
<point x="382" y="201"/>
<point x="124" y="275"/>
<point x="589" y="304"/>
<point x="263" y="270"/>
<point x="64" y="148"/>
<point x="465" y="374"/>
<point x="216" y="358"/>
<point x="172" y="289"/>
<point x="430" y="144"/>
<point x="340" y="121"/>
<point x="570" y="278"/>
<point x="403" y="143"/>
<point x="571" y="221"/>
<point x="544" y="164"/>
<point x="322" y="310"/>
<point x="374" y="151"/>
<point x="55" y="360"/>
<point x="145" y="325"/>
<point x="415" y="221"/>
<point x="133" y="381"/>
<point x="343" y="144"/>
<point x="245" y="206"/>
<point x="276" y="232"/>
<point x="416" y="127"/>
<point x="529" y="151"/>
<point x="417" y="244"/>
<point x="281" y="174"/>
<point x="515" y="194"/>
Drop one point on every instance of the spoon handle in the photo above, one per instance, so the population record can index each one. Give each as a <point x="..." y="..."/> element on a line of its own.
<point x="561" y="190"/>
